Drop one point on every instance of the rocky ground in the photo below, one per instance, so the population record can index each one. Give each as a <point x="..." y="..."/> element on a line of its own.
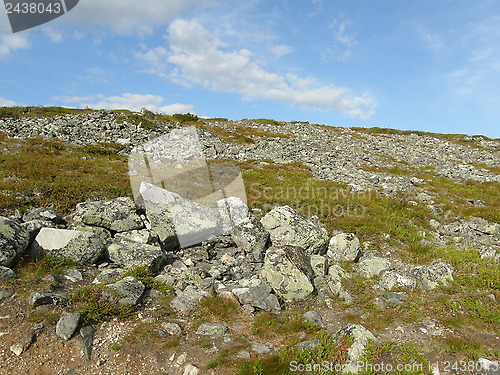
<point x="130" y="287"/>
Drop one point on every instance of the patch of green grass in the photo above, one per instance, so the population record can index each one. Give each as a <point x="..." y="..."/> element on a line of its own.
<point x="38" y="316"/>
<point x="266" y="121"/>
<point x="218" y="308"/>
<point x="115" y="346"/>
<point x="458" y="345"/>
<point x="289" y="324"/>
<point x="142" y="274"/>
<point x="31" y="271"/>
<point x="38" y="172"/>
<point x="140" y="120"/>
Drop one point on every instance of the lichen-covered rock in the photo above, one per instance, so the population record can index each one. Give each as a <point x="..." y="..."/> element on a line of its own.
<point x="258" y="296"/>
<point x="14" y="240"/>
<point x="67" y="325"/>
<point x="212" y="329"/>
<point x="250" y="236"/>
<point x="133" y="254"/>
<point x="286" y="227"/>
<point x="127" y="291"/>
<point x="344" y="247"/>
<point x="42" y="214"/>
<point x="6" y="273"/>
<point x="187" y="300"/>
<point x="396" y="278"/>
<point x="232" y="211"/>
<point x="319" y="264"/>
<point x="82" y="247"/>
<point x="174" y="218"/>
<point x="117" y="215"/>
<point x="288" y="272"/>
<point x="431" y="276"/>
<point x="371" y="264"/>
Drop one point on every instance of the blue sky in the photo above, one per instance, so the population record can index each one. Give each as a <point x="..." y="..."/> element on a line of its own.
<point x="421" y="64"/>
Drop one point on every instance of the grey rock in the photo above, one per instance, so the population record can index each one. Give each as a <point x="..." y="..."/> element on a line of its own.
<point x="319" y="265"/>
<point x="431" y="276"/>
<point x="396" y="278"/>
<point x="308" y="345"/>
<point x="187" y="300"/>
<point x="82" y="247"/>
<point x="175" y="217"/>
<point x="212" y="329"/>
<point x="172" y="328"/>
<point x="260" y="348"/>
<point x="6" y="273"/>
<point x="17" y="349"/>
<point x="344" y="247"/>
<point x="33" y="227"/>
<point x="372" y="264"/>
<point x="103" y="233"/>
<point x="73" y="275"/>
<point x="67" y="325"/>
<point x="45" y="298"/>
<point x="133" y="254"/>
<point x="42" y="214"/>
<point x="128" y="290"/>
<point x="232" y="211"/>
<point x="314" y="318"/>
<point x="88" y="333"/>
<point x="361" y="337"/>
<point x="14" y="240"/>
<point x="284" y="270"/>
<point x="251" y="237"/>
<point x="109" y="275"/>
<point x="243" y="354"/>
<point x="143" y="236"/>
<point x="6" y="293"/>
<point x="395" y="299"/>
<point x="286" y="227"/>
<point x="117" y="215"/>
<point x="258" y="296"/>
<point x="488" y="367"/>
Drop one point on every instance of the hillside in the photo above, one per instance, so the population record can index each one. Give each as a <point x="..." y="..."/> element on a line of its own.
<point x="408" y="227"/>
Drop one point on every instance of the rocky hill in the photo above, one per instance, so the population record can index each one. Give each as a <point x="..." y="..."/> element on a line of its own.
<point x="363" y="250"/>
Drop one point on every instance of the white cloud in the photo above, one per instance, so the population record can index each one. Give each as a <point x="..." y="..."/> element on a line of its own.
<point x="131" y="16"/>
<point x="202" y="59"/>
<point x="343" y="42"/>
<point x="53" y="34"/>
<point x="12" y="42"/>
<point x="132" y="102"/>
<point x="281" y="50"/>
<point x="6" y="102"/>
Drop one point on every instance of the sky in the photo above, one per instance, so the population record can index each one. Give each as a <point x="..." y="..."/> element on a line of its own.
<point x="428" y="65"/>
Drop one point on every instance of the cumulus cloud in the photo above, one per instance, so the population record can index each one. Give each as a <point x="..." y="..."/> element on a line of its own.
<point x="6" y="102"/>
<point x="202" y="59"/>
<point x="12" y="42"/>
<point x="281" y="50"/>
<point x="131" y="16"/>
<point x="132" y="102"/>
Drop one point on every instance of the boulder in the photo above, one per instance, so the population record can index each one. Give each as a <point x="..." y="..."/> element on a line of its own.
<point x="109" y="275"/>
<point x="42" y="214"/>
<point x="314" y="318"/>
<point x="6" y="273"/>
<point x="212" y="329"/>
<point x="104" y="234"/>
<point x="319" y="264"/>
<point x="396" y="278"/>
<point x="344" y="247"/>
<point x="177" y="220"/>
<point x="258" y="296"/>
<point x="117" y="215"/>
<point x="287" y="269"/>
<point x="14" y="240"/>
<point x="67" y="325"/>
<point x="46" y="298"/>
<point x="431" y="276"/>
<point x="130" y="254"/>
<point x="250" y="236"/>
<point x="286" y="227"/>
<point x="33" y="227"/>
<point x="371" y="264"/>
<point x="82" y="247"/>
<point x="143" y="236"/>
<point x="187" y="300"/>
<point x="127" y="291"/>
<point x="232" y="211"/>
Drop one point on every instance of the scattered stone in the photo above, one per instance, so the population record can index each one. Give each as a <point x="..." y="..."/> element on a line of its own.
<point x="82" y="247"/>
<point x="117" y="215"/>
<point x="6" y="293"/>
<point x="285" y="275"/>
<point x="143" y="236"/>
<point x="489" y="367"/>
<point x="133" y="254"/>
<point x="319" y="264"/>
<point x="17" y="349"/>
<point x="14" y="240"/>
<point x="73" y="275"/>
<point x="87" y="333"/>
<point x="308" y="345"/>
<point x="109" y="275"/>
<point x="187" y="300"/>
<point x="6" y="273"/>
<point x="251" y="237"/>
<point x="103" y="233"/>
<point x="344" y="247"/>
<point x="258" y="296"/>
<point x="243" y="354"/>
<point x="191" y="370"/>
<point x="212" y="329"/>
<point x="128" y="290"/>
<point x="396" y="278"/>
<point x="42" y="214"/>
<point x="232" y="211"/>
<point x="314" y="318"/>
<point x="395" y="299"/>
<point x="431" y="276"/>
<point x="33" y="227"/>
<point x="371" y="264"/>
<point x="44" y="298"/>
<point x="260" y="348"/>
<point x="286" y="227"/>
<point x="172" y="328"/>
<point x="67" y="325"/>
